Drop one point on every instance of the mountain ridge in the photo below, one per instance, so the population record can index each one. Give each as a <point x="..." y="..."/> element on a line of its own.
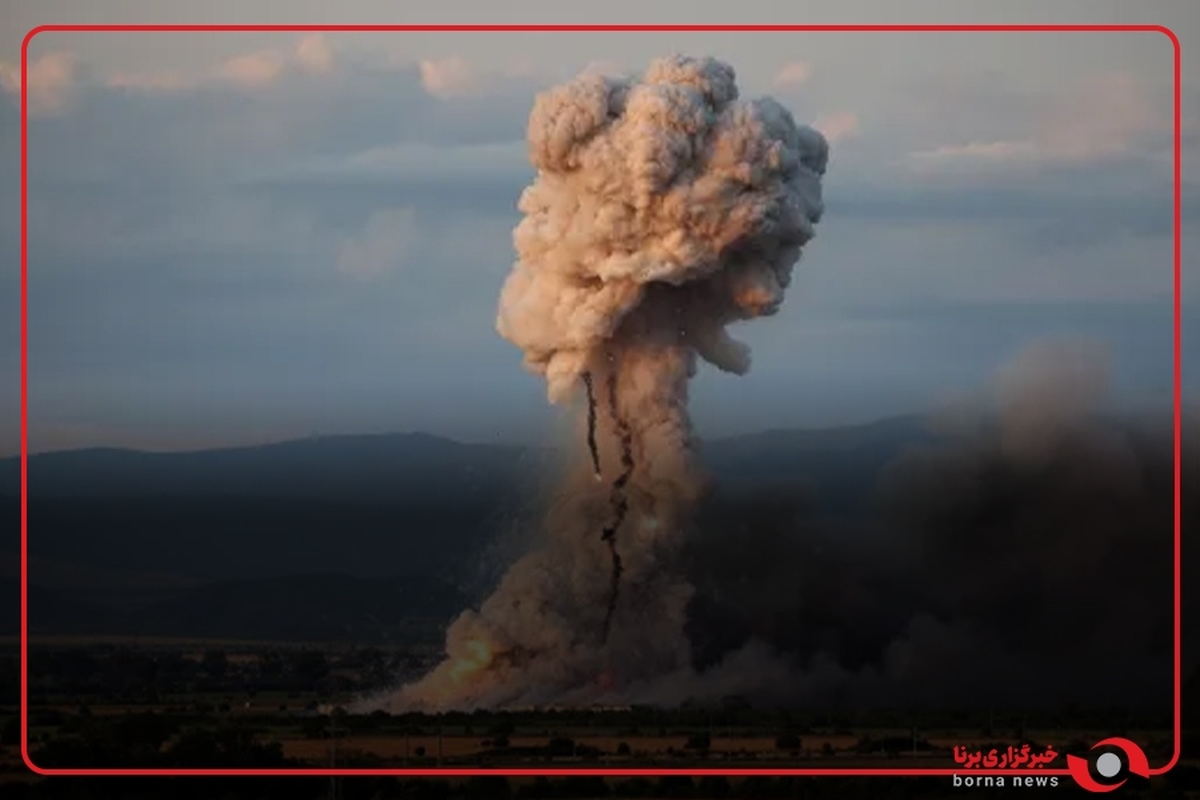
<point x="418" y="458"/>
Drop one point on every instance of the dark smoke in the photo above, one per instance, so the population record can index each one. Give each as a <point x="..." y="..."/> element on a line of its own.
<point x="1023" y="560"/>
<point x="591" y="422"/>
<point x="618" y="500"/>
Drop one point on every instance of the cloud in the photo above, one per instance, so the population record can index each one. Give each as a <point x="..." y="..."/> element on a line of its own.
<point x="384" y="244"/>
<point x="603" y="66"/>
<point x="254" y="70"/>
<point x="522" y="67"/>
<point x="149" y="82"/>
<point x="89" y="225"/>
<point x="262" y="69"/>
<point x="997" y="151"/>
<point x="314" y="53"/>
<point x="449" y="77"/>
<point x="793" y="74"/>
<point x="838" y="125"/>
<point x="416" y="161"/>
<point x="311" y="54"/>
<point x="1105" y="118"/>
<point x="51" y="80"/>
<point x="456" y="77"/>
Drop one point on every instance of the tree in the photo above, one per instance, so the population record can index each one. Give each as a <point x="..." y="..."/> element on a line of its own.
<point x="713" y="786"/>
<point x="145" y="732"/>
<point x="10" y="734"/>
<point x="309" y="667"/>
<point x="502" y="727"/>
<point x="788" y="741"/>
<point x="560" y="746"/>
<point x="214" y="663"/>
<point x="490" y="786"/>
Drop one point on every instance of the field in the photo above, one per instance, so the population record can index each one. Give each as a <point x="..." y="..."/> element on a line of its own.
<point x="99" y="702"/>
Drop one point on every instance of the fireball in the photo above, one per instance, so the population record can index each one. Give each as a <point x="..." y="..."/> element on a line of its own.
<point x="477" y="658"/>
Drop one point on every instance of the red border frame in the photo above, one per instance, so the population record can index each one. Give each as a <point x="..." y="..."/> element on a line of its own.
<point x="582" y="29"/>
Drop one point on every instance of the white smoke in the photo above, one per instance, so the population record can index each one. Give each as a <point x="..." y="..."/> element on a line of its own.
<point x="663" y="210"/>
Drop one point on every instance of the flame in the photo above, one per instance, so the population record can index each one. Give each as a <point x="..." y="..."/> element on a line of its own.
<point x="756" y="294"/>
<point x="478" y="657"/>
<point x="756" y="300"/>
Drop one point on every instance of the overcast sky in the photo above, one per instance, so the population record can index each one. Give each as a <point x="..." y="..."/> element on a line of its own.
<point x="243" y="238"/>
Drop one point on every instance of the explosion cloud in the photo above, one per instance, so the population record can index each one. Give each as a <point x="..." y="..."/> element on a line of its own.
<point x="663" y="210"/>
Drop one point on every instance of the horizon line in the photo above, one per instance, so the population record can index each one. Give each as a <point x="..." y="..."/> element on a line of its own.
<point x="1143" y="415"/>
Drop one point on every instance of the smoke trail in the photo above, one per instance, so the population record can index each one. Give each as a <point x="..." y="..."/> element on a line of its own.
<point x="591" y="423"/>
<point x="620" y="503"/>
<point x="664" y="209"/>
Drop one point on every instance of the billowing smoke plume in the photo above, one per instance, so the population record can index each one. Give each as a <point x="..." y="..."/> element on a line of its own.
<point x="664" y="209"/>
<point x="1018" y="555"/>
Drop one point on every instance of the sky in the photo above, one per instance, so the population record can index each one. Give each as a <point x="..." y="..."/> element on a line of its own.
<point x="240" y="238"/>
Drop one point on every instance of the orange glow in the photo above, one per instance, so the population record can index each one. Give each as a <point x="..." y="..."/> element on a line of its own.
<point x="479" y="655"/>
<point x="754" y="298"/>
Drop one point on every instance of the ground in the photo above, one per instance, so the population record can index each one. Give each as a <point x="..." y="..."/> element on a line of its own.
<point x="203" y="703"/>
